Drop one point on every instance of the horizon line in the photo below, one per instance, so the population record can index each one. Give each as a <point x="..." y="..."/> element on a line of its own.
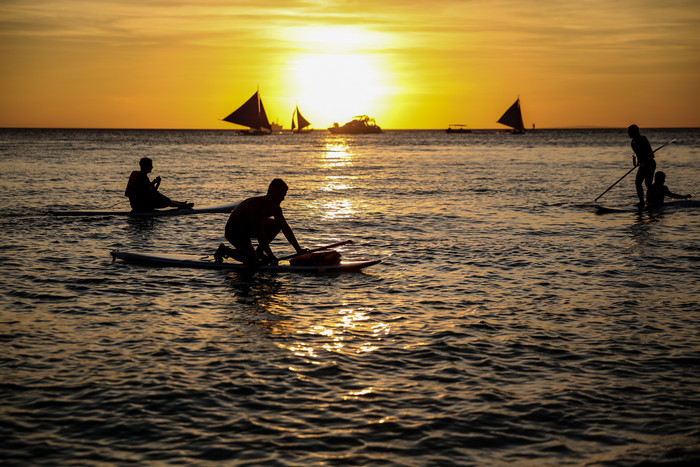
<point x="583" y="127"/>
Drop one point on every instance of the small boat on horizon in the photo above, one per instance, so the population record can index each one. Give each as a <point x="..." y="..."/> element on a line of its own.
<point x="360" y="124"/>
<point x="300" y="123"/>
<point x="458" y="129"/>
<point x="251" y="114"/>
<point x="513" y="118"/>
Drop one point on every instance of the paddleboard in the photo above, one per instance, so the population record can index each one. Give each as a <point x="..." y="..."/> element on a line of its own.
<point x="681" y="203"/>
<point x="207" y="262"/>
<point x="157" y="212"/>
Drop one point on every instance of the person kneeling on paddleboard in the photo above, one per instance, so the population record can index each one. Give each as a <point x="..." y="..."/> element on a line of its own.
<point x="257" y="217"/>
<point x="658" y="190"/>
<point x="143" y="193"/>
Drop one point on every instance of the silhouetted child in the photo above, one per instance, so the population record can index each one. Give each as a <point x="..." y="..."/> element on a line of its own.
<point x="143" y="193"/>
<point x="658" y="190"/>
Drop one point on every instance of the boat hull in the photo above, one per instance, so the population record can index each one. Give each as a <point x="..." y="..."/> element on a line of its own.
<point x="360" y="125"/>
<point x="354" y="131"/>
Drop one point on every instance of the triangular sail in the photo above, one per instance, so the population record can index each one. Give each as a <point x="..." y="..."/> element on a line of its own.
<point x="262" y="118"/>
<point x="513" y="117"/>
<point x="302" y="122"/>
<point x="251" y="114"/>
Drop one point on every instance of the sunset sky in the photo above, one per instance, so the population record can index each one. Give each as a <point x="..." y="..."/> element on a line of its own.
<point x="407" y="63"/>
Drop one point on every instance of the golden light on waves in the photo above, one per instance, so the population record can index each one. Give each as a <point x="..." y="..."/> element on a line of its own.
<point x="337" y="154"/>
<point x="333" y="161"/>
<point x="366" y="334"/>
<point x="340" y="209"/>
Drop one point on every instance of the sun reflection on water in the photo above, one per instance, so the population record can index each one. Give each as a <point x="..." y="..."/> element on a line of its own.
<point x="338" y="182"/>
<point x="301" y="350"/>
<point x="337" y="209"/>
<point x="351" y="331"/>
<point x="337" y="154"/>
<point x="334" y="161"/>
<point x="358" y="394"/>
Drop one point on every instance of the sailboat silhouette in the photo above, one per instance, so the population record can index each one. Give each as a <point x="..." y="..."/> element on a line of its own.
<point x="300" y="123"/>
<point x="513" y="118"/>
<point x="251" y="114"/>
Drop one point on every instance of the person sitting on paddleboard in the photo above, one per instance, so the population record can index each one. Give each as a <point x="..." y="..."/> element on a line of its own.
<point x="257" y="217"/>
<point x="644" y="159"/>
<point x="658" y="190"/>
<point x="143" y="193"/>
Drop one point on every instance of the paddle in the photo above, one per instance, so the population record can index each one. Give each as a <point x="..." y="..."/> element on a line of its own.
<point x="630" y="171"/>
<point x="333" y="245"/>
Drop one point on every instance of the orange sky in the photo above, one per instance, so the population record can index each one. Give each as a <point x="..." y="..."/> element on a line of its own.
<point x="408" y="63"/>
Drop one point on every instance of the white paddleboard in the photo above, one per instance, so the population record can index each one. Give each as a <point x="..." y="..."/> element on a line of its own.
<point x="207" y="262"/>
<point x="681" y="203"/>
<point x="157" y="212"/>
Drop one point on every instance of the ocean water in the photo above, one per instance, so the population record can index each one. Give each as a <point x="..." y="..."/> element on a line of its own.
<point x="507" y="324"/>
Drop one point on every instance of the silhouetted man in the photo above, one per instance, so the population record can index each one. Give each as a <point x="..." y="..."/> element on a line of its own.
<point x="143" y="193"/>
<point x="644" y="158"/>
<point x="258" y="217"/>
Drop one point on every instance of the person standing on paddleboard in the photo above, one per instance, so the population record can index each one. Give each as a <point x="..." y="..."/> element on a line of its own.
<point x="257" y="217"/>
<point x="644" y="159"/>
<point x="143" y="193"/>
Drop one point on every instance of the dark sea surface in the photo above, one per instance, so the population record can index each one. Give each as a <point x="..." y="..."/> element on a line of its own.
<point x="507" y="324"/>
